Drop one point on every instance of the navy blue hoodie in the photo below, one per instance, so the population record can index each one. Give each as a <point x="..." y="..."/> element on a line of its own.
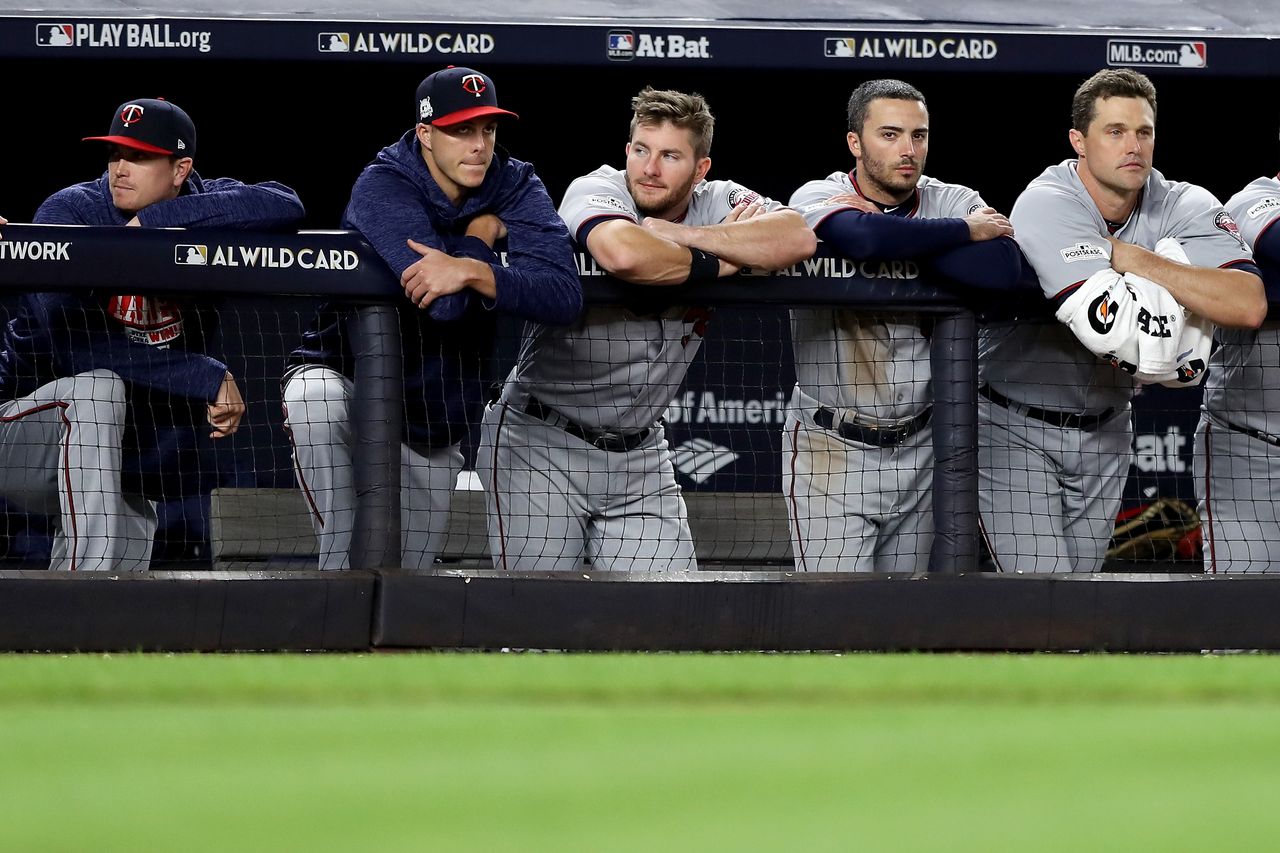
<point x="446" y="347"/>
<point x="155" y="344"/>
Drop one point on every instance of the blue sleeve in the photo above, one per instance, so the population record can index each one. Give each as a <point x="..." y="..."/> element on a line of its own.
<point x="1266" y="250"/>
<point x="227" y="203"/>
<point x="540" y="281"/>
<point x="388" y="211"/>
<point x="877" y="236"/>
<point x="82" y="339"/>
<point x="987" y="265"/>
<point x="75" y="206"/>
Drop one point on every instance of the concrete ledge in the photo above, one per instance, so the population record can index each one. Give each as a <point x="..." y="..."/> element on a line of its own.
<point x="185" y="611"/>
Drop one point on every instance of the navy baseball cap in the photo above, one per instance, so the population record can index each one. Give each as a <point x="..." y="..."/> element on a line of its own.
<point x="153" y="125"/>
<point x="456" y="95"/>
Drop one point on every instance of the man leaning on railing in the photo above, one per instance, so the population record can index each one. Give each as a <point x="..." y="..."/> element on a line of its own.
<point x="105" y="393"/>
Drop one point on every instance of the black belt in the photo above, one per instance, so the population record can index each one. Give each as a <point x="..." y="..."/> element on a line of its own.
<point x="1269" y="438"/>
<point x="1064" y="420"/>
<point x="885" y="436"/>
<point x="601" y="439"/>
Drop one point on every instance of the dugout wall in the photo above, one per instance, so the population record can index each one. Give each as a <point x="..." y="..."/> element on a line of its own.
<point x="747" y="66"/>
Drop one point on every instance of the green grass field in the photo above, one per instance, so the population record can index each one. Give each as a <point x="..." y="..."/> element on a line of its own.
<point x="638" y="752"/>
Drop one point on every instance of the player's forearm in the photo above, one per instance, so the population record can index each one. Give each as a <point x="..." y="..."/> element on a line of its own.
<point x="1230" y="298"/>
<point x="631" y="253"/>
<point x="875" y="236"/>
<point x="230" y="204"/>
<point x="989" y="265"/>
<point x="770" y="241"/>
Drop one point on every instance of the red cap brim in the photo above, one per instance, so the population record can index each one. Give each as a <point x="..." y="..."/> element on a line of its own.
<point x="129" y="142"/>
<point x="470" y="113"/>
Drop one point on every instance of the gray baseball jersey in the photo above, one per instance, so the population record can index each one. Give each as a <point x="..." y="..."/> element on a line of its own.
<point x="1063" y="235"/>
<point x="852" y="360"/>
<point x="1236" y="472"/>
<point x="614" y="369"/>
<point x="1242" y="386"/>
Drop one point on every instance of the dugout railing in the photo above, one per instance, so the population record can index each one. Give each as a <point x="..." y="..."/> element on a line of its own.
<point x="945" y="605"/>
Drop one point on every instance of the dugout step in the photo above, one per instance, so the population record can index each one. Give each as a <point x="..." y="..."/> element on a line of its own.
<point x="185" y="611"/>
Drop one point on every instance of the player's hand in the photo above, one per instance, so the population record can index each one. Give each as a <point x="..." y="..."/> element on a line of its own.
<point x="742" y="211"/>
<point x="1126" y="257"/>
<point x="226" y="411"/>
<point x="855" y="201"/>
<point x="987" y="224"/>
<point x="488" y="228"/>
<point x="3" y="221"/>
<point x="436" y="275"/>
<point x="676" y="233"/>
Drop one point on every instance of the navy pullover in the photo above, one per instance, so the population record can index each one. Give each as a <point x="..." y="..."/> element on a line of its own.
<point x="155" y="344"/>
<point x="446" y="347"/>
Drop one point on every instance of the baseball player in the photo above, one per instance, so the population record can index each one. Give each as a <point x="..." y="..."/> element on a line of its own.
<point x="574" y="454"/>
<point x="1054" y="428"/>
<point x="437" y="206"/>
<point x="1237" y="450"/>
<point x="857" y="464"/>
<point x="103" y="392"/>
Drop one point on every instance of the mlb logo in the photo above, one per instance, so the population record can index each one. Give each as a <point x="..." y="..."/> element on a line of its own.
<point x="55" y="35"/>
<point x="335" y="42"/>
<point x="839" y="47"/>
<point x="190" y="254"/>
<point x="622" y="44"/>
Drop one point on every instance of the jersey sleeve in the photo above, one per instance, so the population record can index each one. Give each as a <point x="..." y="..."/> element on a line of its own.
<point x="721" y="197"/>
<point x="810" y="201"/>
<point x="592" y="199"/>
<point x="1255" y="209"/>
<point x="1062" y="241"/>
<point x="1207" y="233"/>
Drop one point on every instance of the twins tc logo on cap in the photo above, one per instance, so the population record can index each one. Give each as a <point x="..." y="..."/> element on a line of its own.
<point x="131" y="113"/>
<point x="152" y="125"/>
<point x="455" y="95"/>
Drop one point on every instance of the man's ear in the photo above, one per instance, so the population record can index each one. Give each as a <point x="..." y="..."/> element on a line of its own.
<point x="424" y="135"/>
<point x="700" y="171"/>
<point x="1076" y="138"/>
<point x="855" y="144"/>
<point x="181" y="170"/>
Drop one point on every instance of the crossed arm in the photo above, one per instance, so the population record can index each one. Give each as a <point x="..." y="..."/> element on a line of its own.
<point x="657" y="252"/>
<point x="1231" y="298"/>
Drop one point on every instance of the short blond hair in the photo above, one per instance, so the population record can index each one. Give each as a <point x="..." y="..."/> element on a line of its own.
<point x="690" y="112"/>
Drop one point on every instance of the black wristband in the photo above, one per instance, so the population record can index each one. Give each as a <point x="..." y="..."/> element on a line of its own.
<point x="703" y="266"/>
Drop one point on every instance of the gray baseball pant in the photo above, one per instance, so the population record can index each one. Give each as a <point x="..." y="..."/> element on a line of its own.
<point x="317" y="404"/>
<point x="1239" y="514"/>
<point x="1048" y="495"/>
<point x="60" y="454"/>
<point x="555" y="500"/>
<point x="856" y="507"/>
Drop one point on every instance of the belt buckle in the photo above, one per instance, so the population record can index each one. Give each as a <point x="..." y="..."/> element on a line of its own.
<point x="612" y="442"/>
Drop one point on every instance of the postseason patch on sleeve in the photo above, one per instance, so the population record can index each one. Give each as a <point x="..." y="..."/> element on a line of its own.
<point x="1268" y="204"/>
<point x="609" y="201"/>
<point x="1084" y="252"/>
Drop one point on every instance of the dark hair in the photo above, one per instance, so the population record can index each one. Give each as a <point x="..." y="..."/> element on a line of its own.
<point x="690" y="112"/>
<point x="869" y="91"/>
<point x="1109" y="83"/>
